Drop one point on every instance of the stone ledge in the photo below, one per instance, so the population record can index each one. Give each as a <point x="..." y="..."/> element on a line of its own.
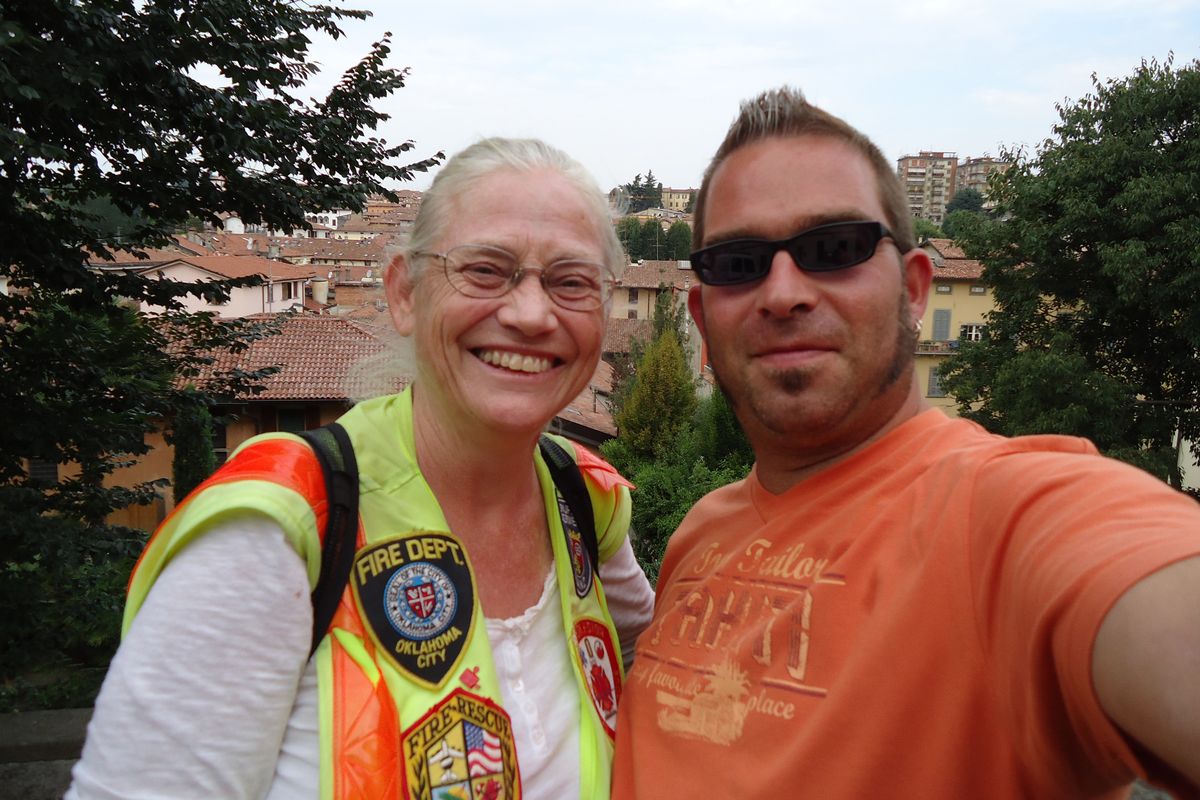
<point x="43" y="735"/>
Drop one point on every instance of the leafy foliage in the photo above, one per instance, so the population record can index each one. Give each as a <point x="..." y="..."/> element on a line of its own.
<point x="673" y="446"/>
<point x="1095" y="272"/>
<point x="679" y="241"/>
<point x="661" y="401"/>
<point x="960" y="224"/>
<point x="108" y="142"/>
<point x="192" y="439"/>
<point x="704" y="455"/>
<point x="966" y="199"/>
<point x="925" y="229"/>
<point x="642" y="192"/>
<point x="647" y="240"/>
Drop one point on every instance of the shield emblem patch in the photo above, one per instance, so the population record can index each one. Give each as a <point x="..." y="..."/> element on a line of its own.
<point x="416" y="593"/>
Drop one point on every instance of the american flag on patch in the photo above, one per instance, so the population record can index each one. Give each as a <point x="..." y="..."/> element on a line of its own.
<point x="483" y="751"/>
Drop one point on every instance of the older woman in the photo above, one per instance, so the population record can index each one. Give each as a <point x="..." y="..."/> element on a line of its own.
<point x="474" y="654"/>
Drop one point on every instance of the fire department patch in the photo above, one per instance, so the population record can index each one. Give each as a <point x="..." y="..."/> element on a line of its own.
<point x="598" y="658"/>
<point x="463" y="749"/>
<point x="581" y="565"/>
<point x="417" y="595"/>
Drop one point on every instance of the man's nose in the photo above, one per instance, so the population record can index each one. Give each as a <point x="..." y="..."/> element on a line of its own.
<point x="787" y="288"/>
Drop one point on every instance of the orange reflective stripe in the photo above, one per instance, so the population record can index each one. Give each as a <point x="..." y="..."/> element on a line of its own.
<point x="366" y="728"/>
<point x="288" y="462"/>
<point x="602" y="473"/>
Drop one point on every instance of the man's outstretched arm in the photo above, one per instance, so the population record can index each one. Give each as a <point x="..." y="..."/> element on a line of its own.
<point x="1146" y="665"/>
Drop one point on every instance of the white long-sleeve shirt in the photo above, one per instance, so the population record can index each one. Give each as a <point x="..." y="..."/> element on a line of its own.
<point x="212" y="694"/>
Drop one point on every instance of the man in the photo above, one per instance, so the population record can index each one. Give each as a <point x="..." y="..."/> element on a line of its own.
<point x="894" y="604"/>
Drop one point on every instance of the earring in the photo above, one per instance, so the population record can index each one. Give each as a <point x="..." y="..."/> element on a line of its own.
<point x="917" y="328"/>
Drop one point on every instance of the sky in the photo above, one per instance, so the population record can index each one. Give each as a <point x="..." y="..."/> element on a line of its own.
<point x="630" y="87"/>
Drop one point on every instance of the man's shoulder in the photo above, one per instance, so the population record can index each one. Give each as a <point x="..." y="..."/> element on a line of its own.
<point x="731" y="501"/>
<point x="968" y="446"/>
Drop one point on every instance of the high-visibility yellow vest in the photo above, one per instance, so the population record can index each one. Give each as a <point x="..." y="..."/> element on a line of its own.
<point x="409" y="698"/>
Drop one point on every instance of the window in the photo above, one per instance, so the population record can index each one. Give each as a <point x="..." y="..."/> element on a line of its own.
<point x="935" y="384"/>
<point x="44" y="473"/>
<point x="978" y="289"/>
<point x="633" y="297"/>
<point x="291" y="420"/>
<point x="941" y="325"/>
<point x="971" y="333"/>
<point x="220" y="442"/>
<point x="943" y="288"/>
<point x="289" y="290"/>
<point x="633" y="313"/>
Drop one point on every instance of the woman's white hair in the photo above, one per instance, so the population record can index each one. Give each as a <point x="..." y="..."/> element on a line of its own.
<point x="496" y="154"/>
<point x="379" y="374"/>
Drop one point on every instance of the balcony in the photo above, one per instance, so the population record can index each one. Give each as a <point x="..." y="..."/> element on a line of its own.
<point x="932" y="347"/>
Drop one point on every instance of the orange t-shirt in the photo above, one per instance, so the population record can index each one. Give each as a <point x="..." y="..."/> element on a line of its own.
<point x="915" y="621"/>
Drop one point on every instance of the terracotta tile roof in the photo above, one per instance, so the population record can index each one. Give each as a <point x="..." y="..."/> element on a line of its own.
<point x="950" y="262"/>
<point x="590" y="408"/>
<point x="314" y="353"/>
<point x="242" y="267"/>
<point x="389" y="221"/>
<point x="621" y="332"/>
<point x="332" y="250"/>
<point x="154" y="256"/>
<point x="948" y="248"/>
<point x="652" y="274"/>
<point x="236" y="244"/>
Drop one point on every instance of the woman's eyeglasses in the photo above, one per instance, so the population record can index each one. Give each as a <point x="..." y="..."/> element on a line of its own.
<point x="485" y="272"/>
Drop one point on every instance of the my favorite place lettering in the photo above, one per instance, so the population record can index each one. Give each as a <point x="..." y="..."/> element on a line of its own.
<point x="417" y="594"/>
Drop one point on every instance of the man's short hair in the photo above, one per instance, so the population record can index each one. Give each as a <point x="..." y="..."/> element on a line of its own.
<point x="783" y="113"/>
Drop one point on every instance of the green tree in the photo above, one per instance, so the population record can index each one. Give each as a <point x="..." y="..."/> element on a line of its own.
<point x="1095" y="273"/>
<point x="629" y="232"/>
<point x="661" y="400"/>
<point x="679" y="241"/>
<point x="959" y="224"/>
<point x="654" y="240"/>
<point x="642" y="193"/>
<point x="669" y="316"/>
<point x="704" y="455"/>
<point x="108" y="142"/>
<point x="191" y="436"/>
<point x="924" y="229"/>
<point x="966" y="199"/>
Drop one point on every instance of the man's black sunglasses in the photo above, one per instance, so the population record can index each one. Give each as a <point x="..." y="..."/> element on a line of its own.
<point x="824" y="248"/>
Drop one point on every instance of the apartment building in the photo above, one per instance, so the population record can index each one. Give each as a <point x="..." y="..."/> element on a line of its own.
<point x="973" y="173"/>
<point x="928" y="179"/>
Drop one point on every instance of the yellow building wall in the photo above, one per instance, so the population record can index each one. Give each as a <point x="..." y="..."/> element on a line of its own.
<point x="965" y="308"/>
<point x="622" y="305"/>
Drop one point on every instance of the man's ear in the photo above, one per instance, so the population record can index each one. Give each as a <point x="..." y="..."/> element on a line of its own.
<point x="398" y="287"/>
<point x="918" y="274"/>
<point x="696" y="308"/>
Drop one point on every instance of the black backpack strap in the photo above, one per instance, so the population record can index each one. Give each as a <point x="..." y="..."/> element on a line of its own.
<point x="335" y="454"/>
<point x="569" y="482"/>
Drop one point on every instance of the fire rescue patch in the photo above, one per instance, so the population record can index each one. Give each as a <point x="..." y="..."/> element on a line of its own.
<point x="581" y="565"/>
<point x="417" y="594"/>
<point x="462" y="748"/>
<point x="598" y="658"/>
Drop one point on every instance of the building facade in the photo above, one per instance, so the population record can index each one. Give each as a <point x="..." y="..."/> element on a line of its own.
<point x="677" y="199"/>
<point x="928" y="179"/>
<point x="957" y="310"/>
<point x="973" y="173"/>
